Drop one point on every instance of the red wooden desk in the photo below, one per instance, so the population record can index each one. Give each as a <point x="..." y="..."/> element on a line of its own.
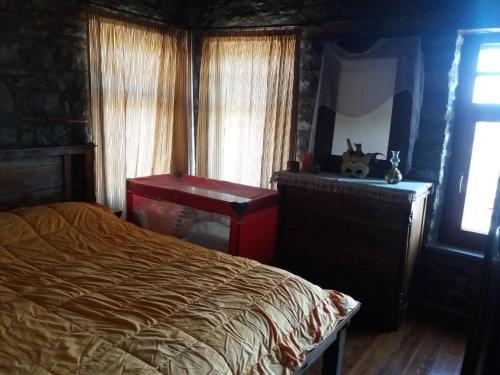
<point x="165" y="203"/>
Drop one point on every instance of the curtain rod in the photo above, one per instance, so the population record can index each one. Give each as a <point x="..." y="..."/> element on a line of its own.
<point x="92" y="6"/>
<point x="250" y="28"/>
<point x="252" y="31"/>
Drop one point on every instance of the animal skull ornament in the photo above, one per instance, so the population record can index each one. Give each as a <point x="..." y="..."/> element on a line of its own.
<point x="355" y="163"/>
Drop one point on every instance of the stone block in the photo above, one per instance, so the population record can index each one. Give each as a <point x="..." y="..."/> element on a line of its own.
<point x="7" y="130"/>
<point x="6" y="101"/>
<point x="44" y="102"/>
<point x="9" y="54"/>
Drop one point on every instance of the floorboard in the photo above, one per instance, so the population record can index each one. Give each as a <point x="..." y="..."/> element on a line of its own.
<point x="423" y="346"/>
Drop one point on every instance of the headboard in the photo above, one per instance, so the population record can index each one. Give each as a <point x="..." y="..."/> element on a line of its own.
<point x="45" y="175"/>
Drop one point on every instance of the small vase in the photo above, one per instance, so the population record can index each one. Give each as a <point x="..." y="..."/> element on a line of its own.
<point x="393" y="175"/>
<point x="306" y="160"/>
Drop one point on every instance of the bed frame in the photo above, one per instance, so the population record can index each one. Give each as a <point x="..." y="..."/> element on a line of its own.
<point x="29" y="177"/>
<point x="45" y="175"/>
<point x="331" y="348"/>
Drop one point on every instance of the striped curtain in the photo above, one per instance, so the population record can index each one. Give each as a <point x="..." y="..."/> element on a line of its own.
<point x="141" y="103"/>
<point x="246" y="97"/>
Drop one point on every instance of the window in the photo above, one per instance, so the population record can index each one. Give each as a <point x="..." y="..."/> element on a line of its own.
<point x="475" y="161"/>
<point x="247" y="86"/>
<point x="483" y="175"/>
<point x="140" y="99"/>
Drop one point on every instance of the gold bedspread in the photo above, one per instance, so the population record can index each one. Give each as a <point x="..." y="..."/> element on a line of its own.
<point x="84" y="292"/>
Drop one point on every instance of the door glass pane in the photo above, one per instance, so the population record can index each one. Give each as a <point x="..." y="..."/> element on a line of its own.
<point x="489" y="58"/>
<point x="483" y="176"/>
<point x="487" y="89"/>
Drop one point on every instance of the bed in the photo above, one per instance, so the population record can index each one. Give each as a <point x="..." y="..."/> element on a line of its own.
<point x="82" y="291"/>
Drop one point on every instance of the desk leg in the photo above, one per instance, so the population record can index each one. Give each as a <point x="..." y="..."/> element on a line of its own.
<point x="332" y="357"/>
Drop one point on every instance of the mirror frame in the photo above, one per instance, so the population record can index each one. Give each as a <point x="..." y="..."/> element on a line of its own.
<point x="399" y="138"/>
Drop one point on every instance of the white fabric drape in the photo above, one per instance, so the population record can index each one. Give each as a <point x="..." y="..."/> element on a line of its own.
<point x="372" y="80"/>
<point x="246" y="95"/>
<point x="141" y="107"/>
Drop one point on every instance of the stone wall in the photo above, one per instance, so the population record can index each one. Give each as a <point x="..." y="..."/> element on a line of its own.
<point x="173" y="12"/>
<point x="448" y="280"/>
<point x="223" y="13"/>
<point x="43" y="67"/>
<point x="43" y="74"/>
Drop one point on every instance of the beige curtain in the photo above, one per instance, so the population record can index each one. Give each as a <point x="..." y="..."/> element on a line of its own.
<point x="140" y="99"/>
<point x="245" y="106"/>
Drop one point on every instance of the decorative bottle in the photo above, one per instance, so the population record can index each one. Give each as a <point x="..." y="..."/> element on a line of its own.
<point x="393" y="175"/>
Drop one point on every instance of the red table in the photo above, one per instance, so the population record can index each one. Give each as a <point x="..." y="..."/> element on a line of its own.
<point x="186" y="206"/>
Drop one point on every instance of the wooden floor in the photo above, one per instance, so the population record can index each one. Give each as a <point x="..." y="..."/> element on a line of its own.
<point x="421" y="346"/>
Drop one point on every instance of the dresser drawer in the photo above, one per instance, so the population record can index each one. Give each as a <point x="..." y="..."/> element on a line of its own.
<point x="329" y="276"/>
<point x="308" y="202"/>
<point x="377" y="212"/>
<point x="364" y="262"/>
<point x="322" y="232"/>
<point x="311" y="206"/>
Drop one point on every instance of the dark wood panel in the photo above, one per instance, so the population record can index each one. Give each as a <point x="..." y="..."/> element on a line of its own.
<point x="31" y="180"/>
<point x="18" y="176"/>
<point x="45" y="175"/>
<point x="32" y="198"/>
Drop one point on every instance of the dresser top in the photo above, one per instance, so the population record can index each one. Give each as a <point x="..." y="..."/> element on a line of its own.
<point x="405" y="191"/>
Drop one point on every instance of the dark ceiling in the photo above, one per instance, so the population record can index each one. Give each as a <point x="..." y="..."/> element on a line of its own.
<point x="452" y="13"/>
<point x="201" y="14"/>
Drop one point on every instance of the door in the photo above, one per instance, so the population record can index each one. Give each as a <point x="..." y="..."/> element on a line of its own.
<point x="482" y="355"/>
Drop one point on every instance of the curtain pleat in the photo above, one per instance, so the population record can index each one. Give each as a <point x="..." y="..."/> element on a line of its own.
<point x="245" y="106"/>
<point x="141" y="104"/>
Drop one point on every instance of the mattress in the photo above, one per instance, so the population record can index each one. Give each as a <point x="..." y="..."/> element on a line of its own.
<point x="82" y="291"/>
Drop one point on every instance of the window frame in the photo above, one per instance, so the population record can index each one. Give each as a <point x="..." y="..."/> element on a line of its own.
<point x="467" y="114"/>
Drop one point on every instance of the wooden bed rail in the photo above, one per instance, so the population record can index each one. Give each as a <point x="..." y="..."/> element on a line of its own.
<point x="331" y="348"/>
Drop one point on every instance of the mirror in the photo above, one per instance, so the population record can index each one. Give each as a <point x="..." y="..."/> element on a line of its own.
<point x="371" y="130"/>
<point x="397" y="135"/>
<point x="371" y="94"/>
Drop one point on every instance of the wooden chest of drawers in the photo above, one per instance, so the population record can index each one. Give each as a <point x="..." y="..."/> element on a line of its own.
<point x="359" y="237"/>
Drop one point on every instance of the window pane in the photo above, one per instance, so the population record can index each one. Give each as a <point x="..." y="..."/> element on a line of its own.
<point x="489" y="58"/>
<point x="483" y="176"/>
<point x="487" y="89"/>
